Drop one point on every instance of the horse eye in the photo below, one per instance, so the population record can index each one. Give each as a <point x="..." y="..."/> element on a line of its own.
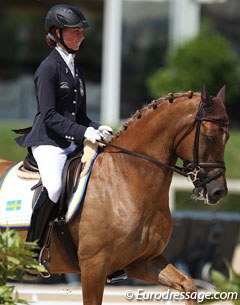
<point x="209" y="139"/>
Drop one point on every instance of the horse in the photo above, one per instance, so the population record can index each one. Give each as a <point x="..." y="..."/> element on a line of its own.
<point x="125" y="221"/>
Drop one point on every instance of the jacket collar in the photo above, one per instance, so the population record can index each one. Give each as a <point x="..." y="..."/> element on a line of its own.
<point x="63" y="66"/>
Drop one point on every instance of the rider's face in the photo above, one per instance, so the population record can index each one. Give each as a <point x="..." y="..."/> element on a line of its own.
<point x="73" y="37"/>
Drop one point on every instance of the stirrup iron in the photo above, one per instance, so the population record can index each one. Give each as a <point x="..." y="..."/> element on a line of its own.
<point x="46" y="249"/>
<point x="117" y="276"/>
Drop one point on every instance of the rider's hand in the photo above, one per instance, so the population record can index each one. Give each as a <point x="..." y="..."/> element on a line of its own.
<point x="105" y="133"/>
<point x="92" y="135"/>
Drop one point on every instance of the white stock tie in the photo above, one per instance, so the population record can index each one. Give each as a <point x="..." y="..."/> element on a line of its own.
<point x="70" y="63"/>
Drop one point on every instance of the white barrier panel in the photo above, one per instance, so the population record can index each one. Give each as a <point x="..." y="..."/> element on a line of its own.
<point x="120" y="295"/>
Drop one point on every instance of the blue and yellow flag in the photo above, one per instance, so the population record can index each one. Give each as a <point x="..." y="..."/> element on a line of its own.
<point x="13" y="205"/>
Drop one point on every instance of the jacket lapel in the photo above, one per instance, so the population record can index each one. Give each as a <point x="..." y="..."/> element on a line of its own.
<point x="63" y="66"/>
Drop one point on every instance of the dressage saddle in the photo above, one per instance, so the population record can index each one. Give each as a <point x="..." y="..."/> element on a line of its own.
<point x="71" y="172"/>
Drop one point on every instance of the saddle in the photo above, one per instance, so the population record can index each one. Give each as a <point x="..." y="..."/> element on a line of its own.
<point x="71" y="173"/>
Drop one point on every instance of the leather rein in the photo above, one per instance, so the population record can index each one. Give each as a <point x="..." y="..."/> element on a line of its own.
<point x="191" y="170"/>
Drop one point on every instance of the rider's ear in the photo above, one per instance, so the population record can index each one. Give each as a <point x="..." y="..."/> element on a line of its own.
<point x="58" y="33"/>
<point x="205" y="95"/>
<point x="221" y="94"/>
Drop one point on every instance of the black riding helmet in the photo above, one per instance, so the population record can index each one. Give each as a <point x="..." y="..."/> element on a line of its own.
<point x="64" y="16"/>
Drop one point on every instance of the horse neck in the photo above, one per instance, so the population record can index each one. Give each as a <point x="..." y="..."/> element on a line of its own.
<point x="153" y="132"/>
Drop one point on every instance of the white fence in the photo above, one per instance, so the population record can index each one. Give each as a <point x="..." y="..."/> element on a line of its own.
<point x="67" y="295"/>
<point x="113" y="295"/>
<point x="182" y="184"/>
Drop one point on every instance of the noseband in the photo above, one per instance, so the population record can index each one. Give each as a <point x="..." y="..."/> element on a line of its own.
<point x="194" y="170"/>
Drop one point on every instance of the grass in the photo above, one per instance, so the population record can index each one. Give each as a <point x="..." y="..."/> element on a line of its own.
<point x="228" y="204"/>
<point x="232" y="155"/>
<point x="9" y="149"/>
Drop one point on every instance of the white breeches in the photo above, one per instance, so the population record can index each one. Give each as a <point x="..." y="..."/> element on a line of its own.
<point x="51" y="160"/>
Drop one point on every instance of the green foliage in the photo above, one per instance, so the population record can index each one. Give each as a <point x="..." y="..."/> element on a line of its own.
<point x="8" y="296"/>
<point x="16" y="256"/>
<point x="227" y="284"/>
<point x="207" y="59"/>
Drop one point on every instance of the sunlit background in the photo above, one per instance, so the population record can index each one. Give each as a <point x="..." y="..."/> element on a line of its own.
<point x="147" y="32"/>
<point x="131" y="48"/>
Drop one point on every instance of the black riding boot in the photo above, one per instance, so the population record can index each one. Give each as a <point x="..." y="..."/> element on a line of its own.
<point x="43" y="212"/>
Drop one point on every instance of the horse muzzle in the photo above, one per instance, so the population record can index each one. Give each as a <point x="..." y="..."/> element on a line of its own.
<point x="213" y="190"/>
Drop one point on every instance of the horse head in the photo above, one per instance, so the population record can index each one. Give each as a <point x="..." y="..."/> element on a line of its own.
<point x="207" y="137"/>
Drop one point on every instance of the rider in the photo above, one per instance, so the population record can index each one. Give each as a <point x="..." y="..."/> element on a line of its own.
<point x="61" y="123"/>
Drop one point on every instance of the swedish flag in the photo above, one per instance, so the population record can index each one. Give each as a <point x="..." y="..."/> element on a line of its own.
<point x="13" y="205"/>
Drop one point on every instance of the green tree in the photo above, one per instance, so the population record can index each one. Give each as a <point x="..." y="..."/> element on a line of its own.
<point x="207" y="59"/>
<point x="16" y="256"/>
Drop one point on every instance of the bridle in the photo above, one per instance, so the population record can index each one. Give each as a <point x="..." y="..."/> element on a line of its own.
<point x="193" y="170"/>
<point x="196" y="168"/>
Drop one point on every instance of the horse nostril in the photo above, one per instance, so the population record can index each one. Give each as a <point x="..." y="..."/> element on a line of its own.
<point x="219" y="193"/>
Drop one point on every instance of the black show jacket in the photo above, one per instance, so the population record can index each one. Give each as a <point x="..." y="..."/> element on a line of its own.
<point x="61" y="105"/>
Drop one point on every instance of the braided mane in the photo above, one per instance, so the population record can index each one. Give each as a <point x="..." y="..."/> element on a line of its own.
<point x="171" y="97"/>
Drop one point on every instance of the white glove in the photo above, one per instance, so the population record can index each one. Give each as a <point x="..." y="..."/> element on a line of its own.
<point x="92" y="135"/>
<point x="105" y="133"/>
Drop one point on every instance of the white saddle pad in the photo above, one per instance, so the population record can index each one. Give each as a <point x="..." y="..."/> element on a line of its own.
<point x="16" y="198"/>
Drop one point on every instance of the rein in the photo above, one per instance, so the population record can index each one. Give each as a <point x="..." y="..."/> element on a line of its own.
<point x="175" y="169"/>
<point x="191" y="170"/>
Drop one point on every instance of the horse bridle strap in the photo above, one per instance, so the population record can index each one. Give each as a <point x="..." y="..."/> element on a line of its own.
<point x="191" y="175"/>
<point x="198" y="120"/>
<point x="195" y="166"/>
<point x="175" y="169"/>
<point x="190" y="169"/>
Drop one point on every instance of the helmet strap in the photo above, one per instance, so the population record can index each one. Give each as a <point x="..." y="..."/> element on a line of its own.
<point x="71" y="51"/>
<point x="57" y="39"/>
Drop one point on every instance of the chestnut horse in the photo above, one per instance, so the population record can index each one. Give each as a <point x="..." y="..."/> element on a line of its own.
<point x="125" y="222"/>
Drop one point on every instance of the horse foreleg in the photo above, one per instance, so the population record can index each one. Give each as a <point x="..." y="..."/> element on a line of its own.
<point x="159" y="271"/>
<point x="93" y="280"/>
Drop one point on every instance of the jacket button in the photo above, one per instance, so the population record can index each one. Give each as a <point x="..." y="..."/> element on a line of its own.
<point x="73" y="113"/>
<point x="75" y="90"/>
<point x="74" y="102"/>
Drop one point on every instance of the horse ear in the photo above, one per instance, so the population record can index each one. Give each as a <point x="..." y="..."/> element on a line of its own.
<point x="221" y="94"/>
<point x="205" y="95"/>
